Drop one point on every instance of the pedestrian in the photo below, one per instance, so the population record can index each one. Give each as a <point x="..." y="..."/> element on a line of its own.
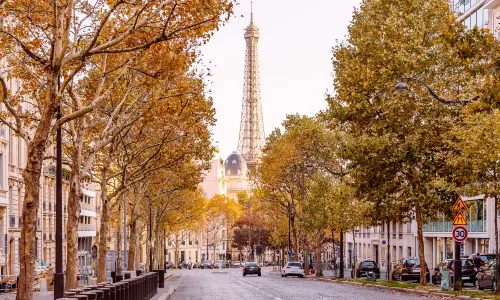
<point x="478" y="262"/>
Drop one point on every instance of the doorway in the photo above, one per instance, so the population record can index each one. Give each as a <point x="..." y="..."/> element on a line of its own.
<point x="375" y="248"/>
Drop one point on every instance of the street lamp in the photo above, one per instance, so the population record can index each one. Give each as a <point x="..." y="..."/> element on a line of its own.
<point x="59" y="275"/>
<point x="402" y="87"/>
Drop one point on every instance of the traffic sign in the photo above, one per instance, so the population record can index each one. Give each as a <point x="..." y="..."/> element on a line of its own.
<point x="384" y="242"/>
<point x="459" y="220"/>
<point x="278" y="251"/>
<point x="289" y="251"/>
<point x="459" y="206"/>
<point x="336" y="249"/>
<point x="249" y="251"/>
<point x="460" y="233"/>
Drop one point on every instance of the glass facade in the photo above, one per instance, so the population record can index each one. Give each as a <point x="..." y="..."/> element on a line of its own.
<point x="477" y="18"/>
<point x="476" y="219"/>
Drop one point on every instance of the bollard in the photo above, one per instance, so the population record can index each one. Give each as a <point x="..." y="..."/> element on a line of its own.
<point x="119" y="278"/>
<point x="126" y="289"/>
<point x="79" y="297"/>
<point x="76" y="291"/>
<point x="106" y="292"/>
<point x="112" y="291"/>
<point x="90" y="295"/>
<point x="140" y="287"/>
<point x="138" y="272"/>
<point x="119" y="291"/>
<point x="127" y="275"/>
<point x="161" y="278"/>
<point x="99" y="293"/>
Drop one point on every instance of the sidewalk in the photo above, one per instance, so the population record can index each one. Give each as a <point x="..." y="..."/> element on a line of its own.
<point x="50" y="295"/>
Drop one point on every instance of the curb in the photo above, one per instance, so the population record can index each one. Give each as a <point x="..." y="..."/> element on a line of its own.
<point x="168" y="294"/>
<point x="400" y="290"/>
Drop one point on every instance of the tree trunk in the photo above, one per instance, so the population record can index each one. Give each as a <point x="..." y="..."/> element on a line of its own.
<point x="103" y="230"/>
<point x="132" y="243"/>
<point x="420" y="237"/>
<point x="73" y="208"/>
<point x="119" y="242"/>
<point x="389" y="275"/>
<point x="306" y="257"/>
<point x="317" y="253"/>
<point x="31" y="177"/>
<point x="295" y="240"/>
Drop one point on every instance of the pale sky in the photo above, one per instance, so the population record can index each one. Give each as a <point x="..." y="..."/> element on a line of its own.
<point x="295" y="52"/>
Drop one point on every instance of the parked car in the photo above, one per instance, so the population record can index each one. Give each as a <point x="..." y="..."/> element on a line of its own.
<point x="294" y="268"/>
<point x="251" y="268"/>
<point x="219" y="264"/>
<point x="409" y="269"/>
<point x="169" y="265"/>
<point x="236" y="264"/>
<point x="484" y="257"/>
<point x="486" y="279"/>
<point x="207" y="264"/>
<point x="364" y="267"/>
<point x="468" y="270"/>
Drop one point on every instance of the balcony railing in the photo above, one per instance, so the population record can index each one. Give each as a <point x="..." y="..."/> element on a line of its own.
<point x="87" y="206"/>
<point x="86" y="227"/>
<point x="473" y="226"/>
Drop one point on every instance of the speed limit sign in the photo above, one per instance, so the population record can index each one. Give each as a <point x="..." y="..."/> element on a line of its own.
<point x="460" y="233"/>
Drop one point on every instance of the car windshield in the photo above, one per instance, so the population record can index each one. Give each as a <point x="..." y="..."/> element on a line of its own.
<point x="368" y="264"/>
<point x="487" y="258"/>
<point x="414" y="262"/>
<point x="293" y="264"/>
<point x="251" y="264"/>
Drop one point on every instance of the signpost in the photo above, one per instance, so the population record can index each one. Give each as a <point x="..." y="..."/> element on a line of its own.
<point x="459" y="235"/>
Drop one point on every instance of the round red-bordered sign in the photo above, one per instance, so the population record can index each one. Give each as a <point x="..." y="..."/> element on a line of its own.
<point x="460" y="233"/>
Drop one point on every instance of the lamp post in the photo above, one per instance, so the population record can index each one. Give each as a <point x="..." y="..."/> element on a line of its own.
<point x="59" y="275"/>
<point x="402" y="87"/>
<point x="150" y="239"/>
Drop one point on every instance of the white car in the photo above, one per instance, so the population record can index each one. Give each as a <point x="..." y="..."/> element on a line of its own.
<point x="293" y="268"/>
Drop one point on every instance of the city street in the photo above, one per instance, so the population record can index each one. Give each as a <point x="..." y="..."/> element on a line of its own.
<point x="208" y="284"/>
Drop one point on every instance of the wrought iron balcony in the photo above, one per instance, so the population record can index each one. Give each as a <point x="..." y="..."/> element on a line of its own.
<point x="473" y="226"/>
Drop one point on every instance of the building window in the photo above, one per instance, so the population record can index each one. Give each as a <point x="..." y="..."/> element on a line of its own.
<point x="408" y="251"/>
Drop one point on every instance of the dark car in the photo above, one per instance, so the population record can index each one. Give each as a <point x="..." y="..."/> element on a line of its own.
<point x="484" y="257"/>
<point x="468" y="270"/>
<point x="409" y="269"/>
<point x="251" y="268"/>
<point x="207" y="264"/>
<point x="365" y="266"/>
<point x="486" y="279"/>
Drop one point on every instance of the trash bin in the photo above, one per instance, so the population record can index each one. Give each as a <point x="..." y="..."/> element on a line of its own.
<point x="445" y="280"/>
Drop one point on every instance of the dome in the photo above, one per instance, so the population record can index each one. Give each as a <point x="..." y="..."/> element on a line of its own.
<point x="235" y="165"/>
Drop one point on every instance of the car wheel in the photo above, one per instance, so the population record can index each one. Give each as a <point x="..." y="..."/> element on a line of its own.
<point x="301" y="276"/>
<point x="244" y="274"/>
<point x="282" y="275"/>
<point x="260" y="274"/>
<point x="286" y="275"/>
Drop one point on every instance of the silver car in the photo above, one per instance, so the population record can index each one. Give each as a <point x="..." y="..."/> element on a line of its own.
<point x="293" y="268"/>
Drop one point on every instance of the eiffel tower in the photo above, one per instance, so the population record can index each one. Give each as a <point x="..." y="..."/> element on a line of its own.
<point x="252" y="137"/>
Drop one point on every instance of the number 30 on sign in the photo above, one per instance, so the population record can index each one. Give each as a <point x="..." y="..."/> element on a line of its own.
<point x="460" y="233"/>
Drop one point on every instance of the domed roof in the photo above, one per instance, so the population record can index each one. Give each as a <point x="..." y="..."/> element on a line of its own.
<point x="235" y="165"/>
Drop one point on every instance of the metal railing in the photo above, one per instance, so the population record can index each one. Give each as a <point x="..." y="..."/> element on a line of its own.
<point x="473" y="226"/>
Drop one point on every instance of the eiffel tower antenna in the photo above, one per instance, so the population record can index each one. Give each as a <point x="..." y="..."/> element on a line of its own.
<point x="252" y="136"/>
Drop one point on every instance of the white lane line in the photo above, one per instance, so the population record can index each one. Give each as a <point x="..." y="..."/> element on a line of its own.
<point x="256" y="287"/>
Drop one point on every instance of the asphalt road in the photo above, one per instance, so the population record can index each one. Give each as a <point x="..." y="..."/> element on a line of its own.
<point x="199" y="284"/>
